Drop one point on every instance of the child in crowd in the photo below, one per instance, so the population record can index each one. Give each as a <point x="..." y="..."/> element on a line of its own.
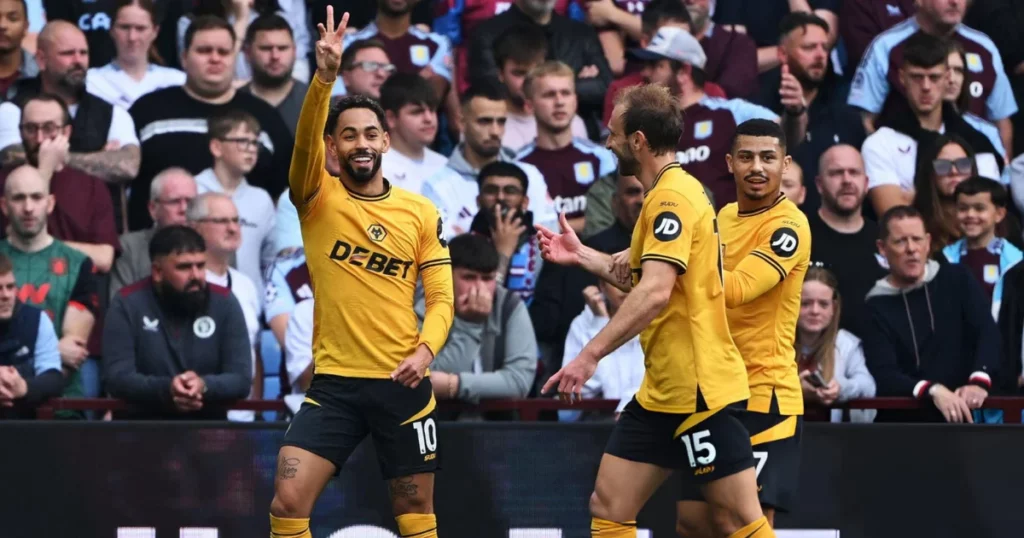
<point x="981" y="211"/>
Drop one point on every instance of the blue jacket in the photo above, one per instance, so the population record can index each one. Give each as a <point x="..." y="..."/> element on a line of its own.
<point x="1009" y="255"/>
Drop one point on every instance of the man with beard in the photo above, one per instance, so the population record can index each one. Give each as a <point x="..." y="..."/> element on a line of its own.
<point x="51" y="275"/>
<point x="270" y="48"/>
<point x="685" y="415"/>
<point x="16" y="63"/>
<point x="83" y="216"/>
<point x="410" y="49"/>
<point x="368" y="244"/>
<point x="844" y="241"/>
<point x="766" y="243"/>
<point x="172" y="122"/>
<point x="570" y="165"/>
<point x="811" y="96"/>
<point x="732" y="56"/>
<point x="174" y="346"/>
<point x="103" y="142"/>
<point x="454" y="189"/>
<point x="880" y="70"/>
<point x="676" y="60"/>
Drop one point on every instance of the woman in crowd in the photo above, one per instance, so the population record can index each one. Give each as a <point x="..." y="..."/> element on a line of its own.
<point x="958" y="94"/>
<point x="136" y="70"/>
<point x="941" y="166"/>
<point x="830" y="359"/>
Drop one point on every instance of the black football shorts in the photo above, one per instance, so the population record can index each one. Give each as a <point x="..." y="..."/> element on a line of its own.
<point x="704" y="446"/>
<point x="776" y="449"/>
<point x="339" y="412"/>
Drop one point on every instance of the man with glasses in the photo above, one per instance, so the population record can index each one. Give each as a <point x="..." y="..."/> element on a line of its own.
<point x="103" y="142"/>
<point x="215" y="217"/>
<point x="169" y="195"/>
<point x="83" y="216"/>
<point x="410" y="49"/>
<point x="234" y="145"/>
<point x="365" y="66"/>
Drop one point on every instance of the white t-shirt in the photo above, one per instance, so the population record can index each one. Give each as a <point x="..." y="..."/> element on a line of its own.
<point x="122" y="127"/>
<point x="521" y="130"/>
<point x="115" y="86"/>
<point x="618" y="375"/>
<point x="257" y="214"/>
<point x="408" y="173"/>
<point x="245" y="291"/>
<point x="890" y="158"/>
<point x="298" y="342"/>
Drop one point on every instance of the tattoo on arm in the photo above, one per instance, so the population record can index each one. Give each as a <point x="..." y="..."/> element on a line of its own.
<point x="287" y="468"/>
<point x="116" y="166"/>
<point x="13" y="155"/>
<point x="403" y="487"/>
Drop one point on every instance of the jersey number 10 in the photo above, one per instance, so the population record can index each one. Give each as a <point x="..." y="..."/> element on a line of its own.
<point x="426" y="431"/>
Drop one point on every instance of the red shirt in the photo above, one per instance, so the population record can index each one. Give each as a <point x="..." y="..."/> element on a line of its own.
<point x="984" y="265"/>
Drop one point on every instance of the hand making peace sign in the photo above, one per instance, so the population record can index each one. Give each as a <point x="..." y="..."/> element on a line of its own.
<point x="328" y="48"/>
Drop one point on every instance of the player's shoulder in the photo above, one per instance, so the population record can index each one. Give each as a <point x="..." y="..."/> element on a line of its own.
<point x="676" y="188"/>
<point x="729" y="212"/>
<point x="415" y="201"/>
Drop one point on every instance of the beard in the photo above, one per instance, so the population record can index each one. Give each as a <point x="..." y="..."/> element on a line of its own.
<point x="628" y="165"/>
<point x="187" y="303"/>
<point x="832" y="203"/>
<point x="805" y="78"/>
<point x="72" y="80"/>
<point x="264" y="79"/>
<point x="486" y="152"/>
<point x="361" y="176"/>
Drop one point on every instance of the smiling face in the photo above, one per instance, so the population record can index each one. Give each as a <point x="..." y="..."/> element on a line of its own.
<point x="977" y="215"/>
<point x="757" y="163"/>
<point x="359" y="141"/>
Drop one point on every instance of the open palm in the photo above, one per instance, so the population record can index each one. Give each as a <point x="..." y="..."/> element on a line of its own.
<point x="328" y="48"/>
<point x="561" y="248"/>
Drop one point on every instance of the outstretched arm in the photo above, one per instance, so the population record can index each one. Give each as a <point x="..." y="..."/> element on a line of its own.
<point x="565" y="248"/>
<point x="307" y="168"/>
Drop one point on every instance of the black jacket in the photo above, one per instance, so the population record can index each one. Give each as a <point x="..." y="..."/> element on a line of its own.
<point x="938" y="332"/>
<point x="1011" y="327"/>
<point x="569" y="41"/>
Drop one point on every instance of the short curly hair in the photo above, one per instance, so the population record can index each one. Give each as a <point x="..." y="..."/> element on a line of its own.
<point x="349" y="102"/>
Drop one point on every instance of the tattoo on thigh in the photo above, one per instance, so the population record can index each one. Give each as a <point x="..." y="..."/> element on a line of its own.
<point x="288" y="468"/>
<point x="403" y="487"/>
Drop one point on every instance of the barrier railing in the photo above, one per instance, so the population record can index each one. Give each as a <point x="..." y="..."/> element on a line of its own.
<point x="528" y="410"/>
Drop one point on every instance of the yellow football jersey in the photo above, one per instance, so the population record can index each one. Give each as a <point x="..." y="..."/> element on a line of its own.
<point x="364" y="256"/>
<point x="767" y="253"/>
<point x="689" y="356"/>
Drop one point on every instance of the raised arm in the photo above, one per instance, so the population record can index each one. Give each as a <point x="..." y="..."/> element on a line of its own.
<point x="307" y="168"/>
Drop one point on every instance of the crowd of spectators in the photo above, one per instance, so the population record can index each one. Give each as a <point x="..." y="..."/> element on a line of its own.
<point x="145" y="148"/>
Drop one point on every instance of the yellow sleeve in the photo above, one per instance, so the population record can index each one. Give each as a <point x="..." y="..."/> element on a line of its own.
<point x="435" y="267"/>
<point x="307" y="169"/>
<point x="783" y="243"/>
<point x="668" y="223"/>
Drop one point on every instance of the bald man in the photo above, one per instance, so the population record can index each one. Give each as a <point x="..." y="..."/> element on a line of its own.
<point x="95" y="18"/>
<point x="169" y="196"/>
<point x="844" y="241"/>
<point x="50" y="274"/>
<point x="102" y="142"/>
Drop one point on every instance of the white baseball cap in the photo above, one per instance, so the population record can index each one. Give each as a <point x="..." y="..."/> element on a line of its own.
<point x="672" y="43"/>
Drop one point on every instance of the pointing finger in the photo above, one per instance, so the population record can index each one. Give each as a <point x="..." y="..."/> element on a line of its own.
<point x="551" y="381"/>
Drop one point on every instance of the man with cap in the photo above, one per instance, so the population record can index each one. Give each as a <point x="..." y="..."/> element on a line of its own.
<point x="675" y="59"/>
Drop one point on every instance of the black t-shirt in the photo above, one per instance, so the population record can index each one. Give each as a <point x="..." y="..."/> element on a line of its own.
<point x="94" y="17"/>
<point x="172" y="131"/>
<point x="854" y="259"/>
